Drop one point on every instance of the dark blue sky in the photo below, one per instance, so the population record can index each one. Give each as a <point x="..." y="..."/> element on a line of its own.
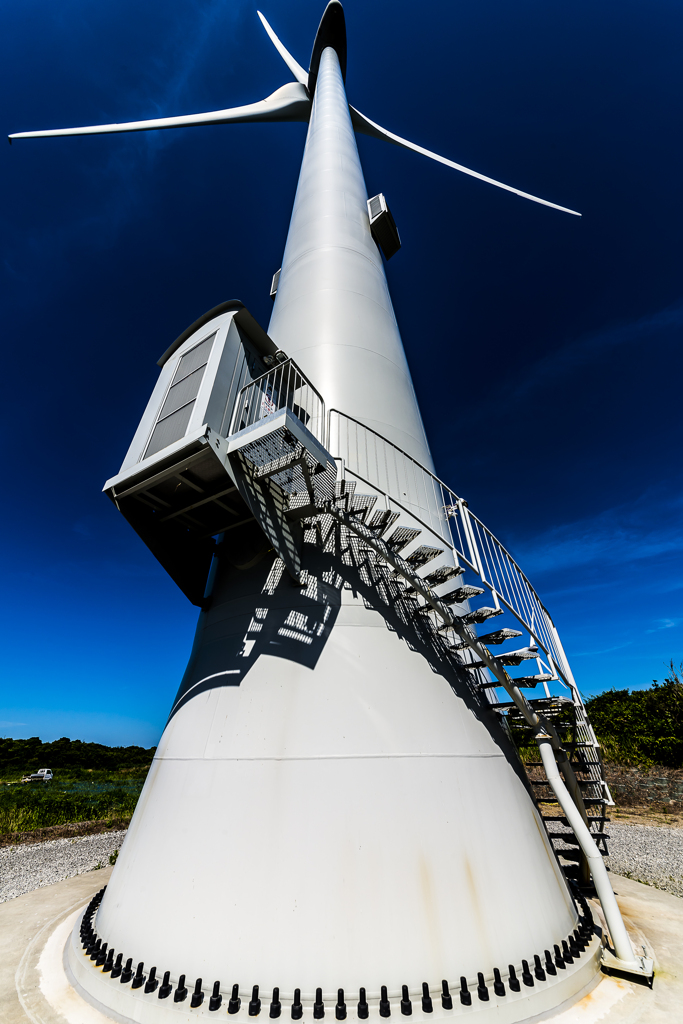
<point x="546" y="350"/>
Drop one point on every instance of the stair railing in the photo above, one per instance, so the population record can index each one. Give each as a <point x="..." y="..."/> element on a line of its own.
<point x="378" y="462"/>
<point x="405" y="483"/>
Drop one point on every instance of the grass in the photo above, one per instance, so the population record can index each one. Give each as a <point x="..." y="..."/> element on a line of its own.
<point x="81" y="796"/>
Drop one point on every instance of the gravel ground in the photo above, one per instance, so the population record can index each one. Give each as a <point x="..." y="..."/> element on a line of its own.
<point x="647" y="853"/>
<point x="25" y="868"/>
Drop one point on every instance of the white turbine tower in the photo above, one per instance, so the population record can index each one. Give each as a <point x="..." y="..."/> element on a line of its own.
<point x="336" y="822"/>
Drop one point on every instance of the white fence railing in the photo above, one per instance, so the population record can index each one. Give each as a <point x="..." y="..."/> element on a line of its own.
<point x="382" y="464"/>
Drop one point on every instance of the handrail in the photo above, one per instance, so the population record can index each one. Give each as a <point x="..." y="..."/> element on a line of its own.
<point x="394" y="501"/>
<point x="470" y="565"/>
<point x="440" y="482"/>
<point x="528" y="609"/>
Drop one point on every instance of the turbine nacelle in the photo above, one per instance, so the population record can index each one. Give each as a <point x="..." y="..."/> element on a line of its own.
<point x="331" y="32"/>
<point x="292" y="102"/>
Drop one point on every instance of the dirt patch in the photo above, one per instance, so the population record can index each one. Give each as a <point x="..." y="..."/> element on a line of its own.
<point x="645" y="816"/>
<point x="78" y="828"/>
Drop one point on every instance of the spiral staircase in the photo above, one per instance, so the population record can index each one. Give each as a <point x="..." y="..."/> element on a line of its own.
<point x="348" y="488"/>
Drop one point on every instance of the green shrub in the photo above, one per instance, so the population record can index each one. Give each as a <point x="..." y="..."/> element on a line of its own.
<point x="641" y="727"/>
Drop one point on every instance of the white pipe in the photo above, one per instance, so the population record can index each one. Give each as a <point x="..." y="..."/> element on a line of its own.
<point x="610" y="907"/>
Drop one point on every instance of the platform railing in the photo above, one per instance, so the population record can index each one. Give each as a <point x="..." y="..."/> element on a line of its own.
<point x="283" y="386"/>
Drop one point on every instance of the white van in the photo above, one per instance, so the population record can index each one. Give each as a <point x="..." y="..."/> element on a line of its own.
<point x="42" y="775"/>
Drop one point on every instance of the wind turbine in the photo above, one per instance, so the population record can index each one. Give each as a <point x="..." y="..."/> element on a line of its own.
<point x="336" y="814"/>
<point x="288" y="103"/>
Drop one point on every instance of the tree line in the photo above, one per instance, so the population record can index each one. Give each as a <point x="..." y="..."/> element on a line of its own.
<point x="23" y="756"/>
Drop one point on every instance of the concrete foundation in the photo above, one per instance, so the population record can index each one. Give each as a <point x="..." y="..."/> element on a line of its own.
<point x="35" y="986"/>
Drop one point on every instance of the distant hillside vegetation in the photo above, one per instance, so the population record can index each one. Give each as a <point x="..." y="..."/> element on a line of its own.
<point x="21" y="756"/>
<point x="641" y="727"/>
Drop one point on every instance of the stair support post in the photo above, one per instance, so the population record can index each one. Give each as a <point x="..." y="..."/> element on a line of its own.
<point x="572" y="784"/>
<point x="608" y="902"/>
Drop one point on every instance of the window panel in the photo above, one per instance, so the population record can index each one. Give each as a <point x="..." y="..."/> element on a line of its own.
<point x="176" y="411"/>
<point x="169" y="430"/>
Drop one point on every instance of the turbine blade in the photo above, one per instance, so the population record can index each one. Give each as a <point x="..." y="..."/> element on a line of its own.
<point x="293" y="65"/>
<point x="364" y="125"/>
<point x="288" y="103"/>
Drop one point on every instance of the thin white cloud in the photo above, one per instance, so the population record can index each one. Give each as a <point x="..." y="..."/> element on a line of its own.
<point x="189" y="47"/>
<point x="606" y="650"/>
<point x="576" y="354"/>
<point x="632" y="532"/>
<point x="584" y="350"/>
<point x="664" y="624"/>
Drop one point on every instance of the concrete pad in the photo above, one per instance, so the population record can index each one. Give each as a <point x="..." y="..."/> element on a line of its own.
<point x="26" y="924"/>
<point x="653" y="919"/>
<point x="33" y="986"/>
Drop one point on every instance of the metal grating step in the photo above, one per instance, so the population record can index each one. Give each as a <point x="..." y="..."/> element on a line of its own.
<point x="401" y="536"/>
<point x="517" y="657"/>
<point x="544" y="782"/>
<point x="571" y="840"/>
<point x="360" y="505"/>
<point x="382" y="520"/>
<point x="576" y="855"/>
<point x="480" y="615"/>
<point x="511" y="657"/>
<point x="589" y="801"/>
<point x="422" y="555"/>
<point x="343" y="487"/>
<point x="531" y="681"/>
<point x="499" y="636"/>
<point x="563" y="821"/>
<point x="578" y="766"/>
<point x="460" y="645"/>
<point x="441" y="575"/>
<point x="462" y="594"/>
<point x="494" y="682"/>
